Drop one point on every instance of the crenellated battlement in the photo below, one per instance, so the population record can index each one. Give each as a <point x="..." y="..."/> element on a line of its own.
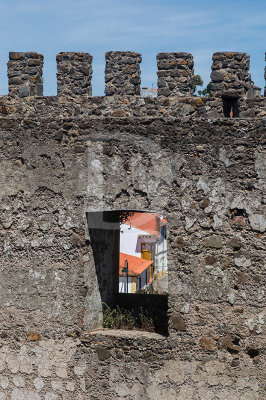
<point x="122" y="73"/>
<point x="230" y="74"/>
<point x="74" y="73"/>
<point x="25" y="74"/>
<point x="175" y="74"/>
<point x="230" y="81"/>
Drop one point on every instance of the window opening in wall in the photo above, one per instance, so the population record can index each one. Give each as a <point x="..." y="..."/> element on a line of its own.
<point x="129" y="262"/>
<point x="230" y="107"/>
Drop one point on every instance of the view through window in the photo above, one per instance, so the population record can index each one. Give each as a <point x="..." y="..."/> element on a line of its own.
<point x="143" y="253"/>
<point x="128" y="271"/>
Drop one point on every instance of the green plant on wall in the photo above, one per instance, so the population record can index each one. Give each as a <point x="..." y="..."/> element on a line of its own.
<point x="116" y="318"/>
<point x="119" y="318"/>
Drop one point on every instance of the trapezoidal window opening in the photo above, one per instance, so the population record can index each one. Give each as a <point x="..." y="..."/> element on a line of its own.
<point x="230" y="107"/>
<point x="129" y="250"/>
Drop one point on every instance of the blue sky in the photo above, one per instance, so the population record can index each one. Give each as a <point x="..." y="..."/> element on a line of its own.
<point x="147" y="26"/>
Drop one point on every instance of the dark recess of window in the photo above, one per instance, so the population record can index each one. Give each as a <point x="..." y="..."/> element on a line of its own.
<point x="230" y="107"/>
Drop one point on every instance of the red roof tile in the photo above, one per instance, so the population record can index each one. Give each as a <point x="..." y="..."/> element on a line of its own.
<point x="146" y="222"/>
<point x="136" y="265"/>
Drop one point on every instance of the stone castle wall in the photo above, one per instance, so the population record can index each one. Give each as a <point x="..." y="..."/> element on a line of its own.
<point x="63" y="157"/>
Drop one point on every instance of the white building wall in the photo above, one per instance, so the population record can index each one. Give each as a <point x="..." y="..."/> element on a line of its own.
<point x="128" y="240"/>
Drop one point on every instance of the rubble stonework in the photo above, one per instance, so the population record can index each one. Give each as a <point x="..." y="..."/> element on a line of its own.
<point x="175" y="74"/>
<point x="122" y="73"/>
<point x="74" y="73"/>
<point x="64" y="157"/>
<point x="230" y="74"/>
<point x="25" y="74"/>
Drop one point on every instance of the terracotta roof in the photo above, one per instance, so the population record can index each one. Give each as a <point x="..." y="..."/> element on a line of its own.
<point x="136" y="265"/>
<point x="146" y="222"/>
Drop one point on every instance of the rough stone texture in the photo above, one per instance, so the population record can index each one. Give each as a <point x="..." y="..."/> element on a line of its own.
<point x="61" y="158"/>
<point x="74" y="73"/>
<point x="122" y="73"/>
<point x="137" y="367"/>
<point x="230" y="76"/>
<point x="175" y="74"/>
<point x="25" y="74"/>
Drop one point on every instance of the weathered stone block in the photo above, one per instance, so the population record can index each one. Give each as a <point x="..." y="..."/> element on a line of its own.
<point x="214" y="241"/>
<point x="178" y="322"/>
<point x="103" y="353"/>
<point x="207" y="343"/>
<point x="235" y="243"/>
<point x="210" y="260"/>
<point x="34" y="336"/>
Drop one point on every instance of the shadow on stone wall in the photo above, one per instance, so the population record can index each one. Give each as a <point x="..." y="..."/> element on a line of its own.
<point x="153" y="306"/>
